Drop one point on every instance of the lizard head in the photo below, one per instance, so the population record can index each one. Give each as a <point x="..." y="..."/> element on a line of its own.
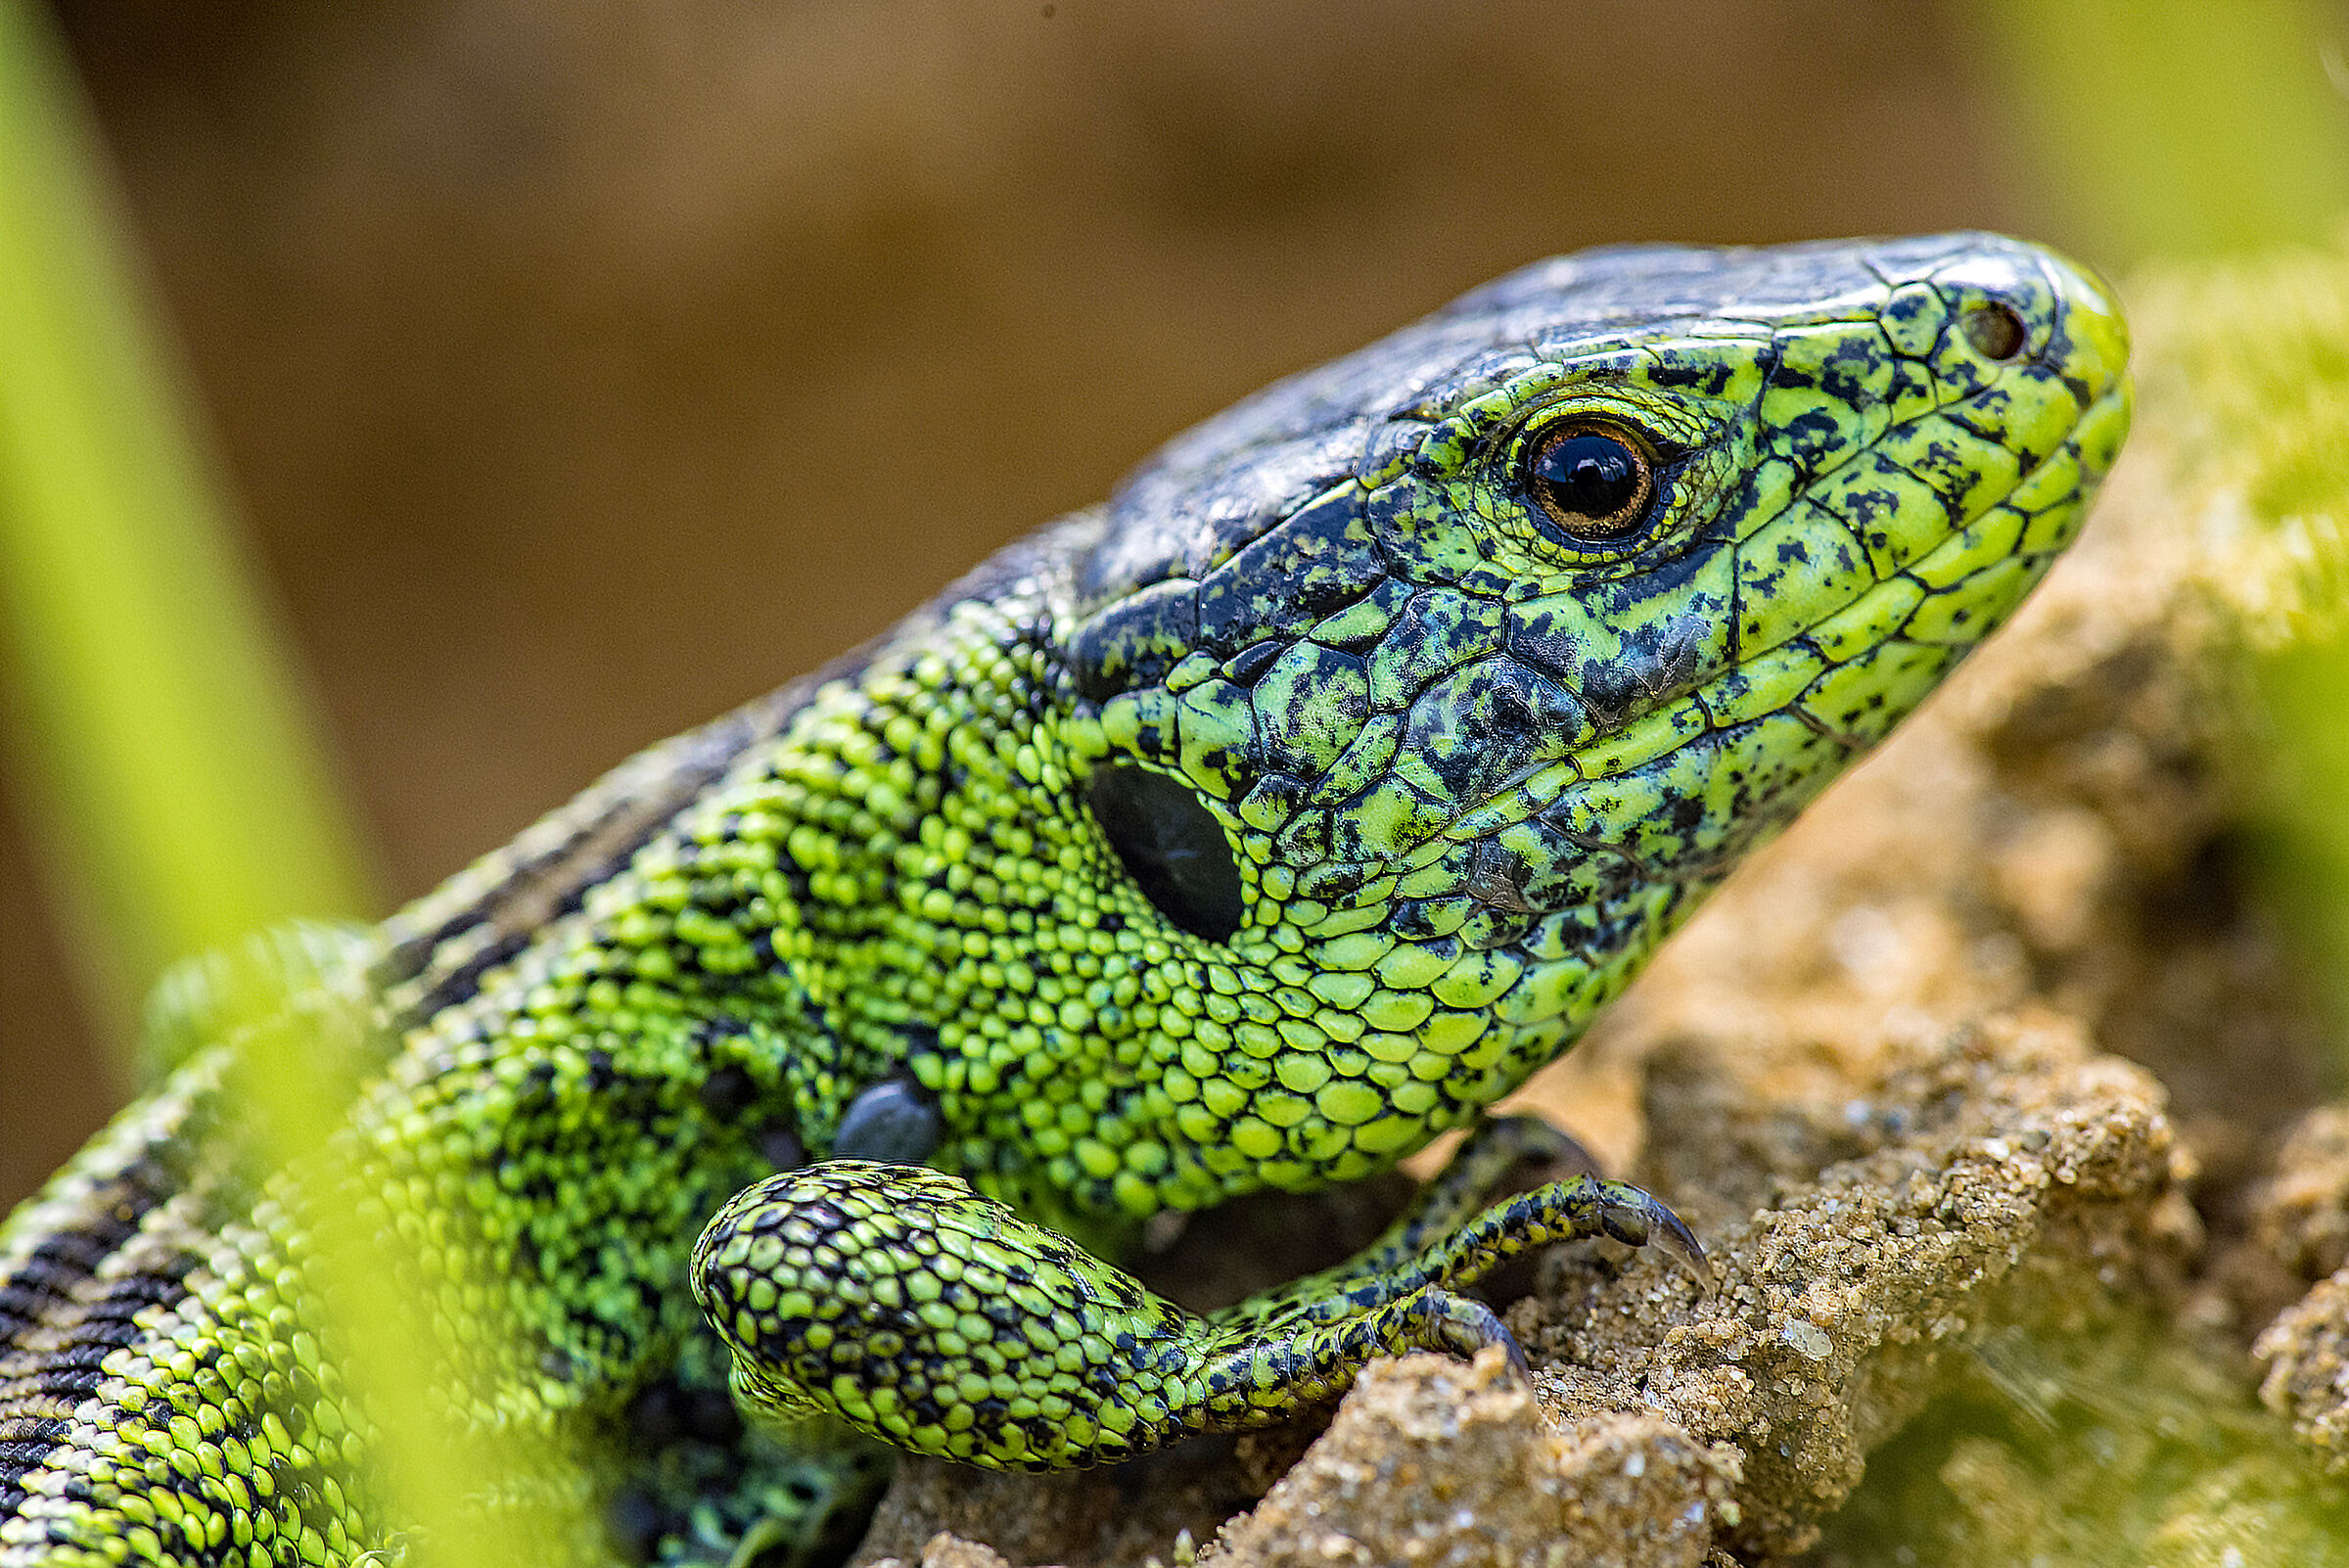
<point x="1423" y="693"/>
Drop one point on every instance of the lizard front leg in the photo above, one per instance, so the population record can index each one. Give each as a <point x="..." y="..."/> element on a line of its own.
<point x="900" y="1302"/>
<point x="1476" y="1176"/>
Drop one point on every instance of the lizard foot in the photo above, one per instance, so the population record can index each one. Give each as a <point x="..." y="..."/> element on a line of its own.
<point x="900" y="1302"/>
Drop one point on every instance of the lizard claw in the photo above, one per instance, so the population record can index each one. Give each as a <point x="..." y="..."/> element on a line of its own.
<point x="1649" y="1223"/>
<point x="1519" y="1366"/>
<point x="1464" y="1325"/>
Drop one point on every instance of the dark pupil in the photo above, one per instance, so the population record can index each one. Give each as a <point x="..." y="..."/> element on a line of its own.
<point x="1594" y="476"/>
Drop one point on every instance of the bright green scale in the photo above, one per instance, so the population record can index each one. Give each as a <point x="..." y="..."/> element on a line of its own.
<point x="1248" y="831"/>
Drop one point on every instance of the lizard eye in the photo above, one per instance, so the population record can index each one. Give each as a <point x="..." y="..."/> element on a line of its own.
<point x="1173" y="847"/>
<point x="1595" y="485"/>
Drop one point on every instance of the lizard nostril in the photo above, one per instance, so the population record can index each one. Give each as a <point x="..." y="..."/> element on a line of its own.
<point x="1993" y="328"/>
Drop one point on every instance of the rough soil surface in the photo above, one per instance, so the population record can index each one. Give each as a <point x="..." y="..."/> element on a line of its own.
<point x="1994" y="1061"/>
<point x="2300" y="1222"/>
<point x="2307" y="1352"/>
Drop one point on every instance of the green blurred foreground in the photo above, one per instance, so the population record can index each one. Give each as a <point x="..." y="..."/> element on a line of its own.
<point x="2251" y="364"/>
<point x="179" y="793"/>
<point x="2119" y="1450"/>
<point x="179" y="789"/>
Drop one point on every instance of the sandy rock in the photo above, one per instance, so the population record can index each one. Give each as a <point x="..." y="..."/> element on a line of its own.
<point x="1432" y="1462"/>
<point x="2009" y="1174"/>
<point x="2300" y="1220"/>
<point x="2012" y="1174"/>
<point x="1150" y="1508"/>
<point x="945" y="1550"/>
<point x="2307" y="1352"/>
<point x="2300" y="1215"/>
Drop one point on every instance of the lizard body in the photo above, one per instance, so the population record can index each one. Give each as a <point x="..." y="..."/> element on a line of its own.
<point x="1250" y="830"/>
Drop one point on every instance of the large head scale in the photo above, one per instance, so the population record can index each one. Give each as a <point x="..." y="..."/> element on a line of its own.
<point x="1423" y="693"/>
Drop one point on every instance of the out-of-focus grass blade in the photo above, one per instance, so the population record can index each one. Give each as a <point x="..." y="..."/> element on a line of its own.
<point x="180" y="796"/>
<point x="178" y="793"/>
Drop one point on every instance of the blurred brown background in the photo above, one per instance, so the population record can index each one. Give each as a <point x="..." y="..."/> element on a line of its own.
<point x="586" y="366"/>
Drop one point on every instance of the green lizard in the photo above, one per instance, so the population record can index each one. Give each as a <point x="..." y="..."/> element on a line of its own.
<point x="1247" y="831"/>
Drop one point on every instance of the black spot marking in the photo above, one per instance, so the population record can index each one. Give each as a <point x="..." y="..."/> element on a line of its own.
<point x="1487" y="722"/>
<point x="1609" y="691"/>
<point x="1317" y="560"/>
<point x="1548" y="653"/>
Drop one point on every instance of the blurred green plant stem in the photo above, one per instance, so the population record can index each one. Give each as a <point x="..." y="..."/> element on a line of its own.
<point x="177" y="790"/>
<point x="176" y="786"/>
<point x="2255" y="357"/>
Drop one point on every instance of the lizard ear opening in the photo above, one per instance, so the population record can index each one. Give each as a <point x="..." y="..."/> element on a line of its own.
<point x="1173" y="847"/>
